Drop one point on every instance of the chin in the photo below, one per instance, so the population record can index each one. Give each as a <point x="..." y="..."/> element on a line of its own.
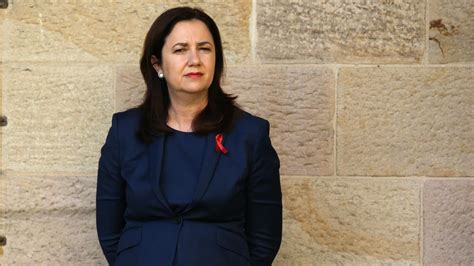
<point x="195" y="90"/>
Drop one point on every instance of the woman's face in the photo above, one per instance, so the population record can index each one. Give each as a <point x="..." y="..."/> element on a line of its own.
<point x="188" y="58"/>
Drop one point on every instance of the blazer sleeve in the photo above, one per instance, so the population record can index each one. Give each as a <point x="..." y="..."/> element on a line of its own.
<point x="110" y="197"/>
<point x="264" y="208"/>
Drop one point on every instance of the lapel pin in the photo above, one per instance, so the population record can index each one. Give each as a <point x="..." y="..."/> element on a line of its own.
<point x="219" y="147"/>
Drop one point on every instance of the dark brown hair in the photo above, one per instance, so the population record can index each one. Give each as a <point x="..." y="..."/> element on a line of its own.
<point x="221" y="109"/>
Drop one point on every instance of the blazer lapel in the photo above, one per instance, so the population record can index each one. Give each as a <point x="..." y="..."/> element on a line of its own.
<point x="209" y="163"/>
<point x="155" y="162"/>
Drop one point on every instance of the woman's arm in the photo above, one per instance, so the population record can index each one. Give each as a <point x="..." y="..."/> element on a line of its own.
<point x="264" y="208"/>
<point x="110" y="198"/>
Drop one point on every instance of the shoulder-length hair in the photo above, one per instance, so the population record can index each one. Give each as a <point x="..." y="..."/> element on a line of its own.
<point x="221" y="109"/>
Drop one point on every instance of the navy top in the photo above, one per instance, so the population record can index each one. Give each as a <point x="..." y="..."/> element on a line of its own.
<point x="188" y="149"/>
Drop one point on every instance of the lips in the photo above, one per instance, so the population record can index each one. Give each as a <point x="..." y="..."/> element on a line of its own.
<point x="194" y="74"/>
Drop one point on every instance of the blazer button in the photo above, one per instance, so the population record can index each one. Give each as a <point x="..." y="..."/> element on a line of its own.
<point x="178" y="219"/>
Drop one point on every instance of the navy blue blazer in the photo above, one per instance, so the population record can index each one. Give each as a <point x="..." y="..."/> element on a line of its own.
<point x="235" y="217"/>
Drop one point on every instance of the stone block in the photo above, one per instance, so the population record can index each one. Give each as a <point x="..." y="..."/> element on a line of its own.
<point x="403" y="121"/>
<point x="299" y="103"/>
<point x="52" y="238"/>
<point x="130" y="87"/>
<point x="451" y="31"/>
<point x="448" y="214"/>
<point x="342" y="31"/>
<point x="2" y="36"/>
<point x="58" y="117"/>
<point x="350" y="221"/>
<point x="3" y="202"/>
<point x="51" y="193"/>
<point x="108" y="30"/>
<point x="1" y="86"/>
<point x="2" y="112"/>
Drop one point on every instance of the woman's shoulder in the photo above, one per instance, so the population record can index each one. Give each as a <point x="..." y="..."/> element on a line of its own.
<point x="128" y="120"/>
<point x="130" y="114"/>
<point x="251" y="122"/>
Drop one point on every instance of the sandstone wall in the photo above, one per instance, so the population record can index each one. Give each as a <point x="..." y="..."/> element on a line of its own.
<point x="371" y="104"/>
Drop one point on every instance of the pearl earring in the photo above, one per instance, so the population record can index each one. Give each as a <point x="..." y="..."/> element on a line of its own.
<point x="160" y="74"/>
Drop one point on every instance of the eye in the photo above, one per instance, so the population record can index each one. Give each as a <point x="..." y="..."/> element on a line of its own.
<point x="205" y="49"/>
<point x="179" y="50"/>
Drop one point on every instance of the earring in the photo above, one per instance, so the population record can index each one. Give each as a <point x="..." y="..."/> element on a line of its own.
<point x="160" y="74"/>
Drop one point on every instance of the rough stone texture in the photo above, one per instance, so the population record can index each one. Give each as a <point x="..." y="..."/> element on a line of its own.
<point x="448" y="212"/>
<point x="130" y="87"/>
<point x="3" y="203"/>
<point x="58" y="117"/>
<point x="2" y="35"/>
<point x="451" y="31"/>
<point x="405" y="121"/>
<point x="341" y="31"/>
<point x="3" y="187"/>
<point x="350" y="221"/>
<point x="3" y="183"/>
<point x="299" y="103"/>
<point x="1" y="108"/>
<point x="57" y="193"/>
<point x="52" y="238"/>
<point x="108" y="30"/>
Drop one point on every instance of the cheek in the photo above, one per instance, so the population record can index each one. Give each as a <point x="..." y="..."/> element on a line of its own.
<point x="174" y="65"/>
<point x="212" y="67"/>
<point x="211" y="76"/>
<point x="173" y="72"/>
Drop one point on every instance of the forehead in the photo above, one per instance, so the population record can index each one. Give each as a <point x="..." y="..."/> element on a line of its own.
<point x="188" y="31"/>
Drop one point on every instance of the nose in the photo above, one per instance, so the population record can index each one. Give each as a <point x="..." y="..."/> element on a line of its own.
<point x="194" y="58"/>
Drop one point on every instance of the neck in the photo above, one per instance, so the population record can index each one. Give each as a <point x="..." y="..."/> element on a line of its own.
<point x="183" y="109"/>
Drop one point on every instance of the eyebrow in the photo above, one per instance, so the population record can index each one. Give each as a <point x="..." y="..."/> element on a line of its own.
<point x="186" y="45"/>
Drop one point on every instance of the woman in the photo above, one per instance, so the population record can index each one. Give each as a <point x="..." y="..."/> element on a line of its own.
<point x="187" y="178"/>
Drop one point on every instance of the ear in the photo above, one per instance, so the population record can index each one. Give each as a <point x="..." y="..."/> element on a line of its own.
<point x="156" y="65"/>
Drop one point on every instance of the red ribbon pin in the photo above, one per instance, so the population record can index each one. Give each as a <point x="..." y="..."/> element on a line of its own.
<point x="219" y="146"/>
